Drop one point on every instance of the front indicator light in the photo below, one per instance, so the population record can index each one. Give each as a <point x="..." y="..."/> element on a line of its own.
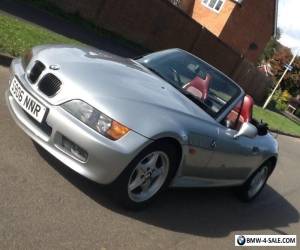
<point x="117" y="130"/>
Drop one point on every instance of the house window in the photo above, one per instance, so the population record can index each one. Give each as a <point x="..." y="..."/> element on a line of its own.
<point x="215" y="5"/>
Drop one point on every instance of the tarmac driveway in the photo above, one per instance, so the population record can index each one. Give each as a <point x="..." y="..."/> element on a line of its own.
<point x="45" y="205"/>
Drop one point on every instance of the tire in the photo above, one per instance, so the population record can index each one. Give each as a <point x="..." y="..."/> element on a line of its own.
<point x="147" y="176"/>
<point x="256" y="183"/>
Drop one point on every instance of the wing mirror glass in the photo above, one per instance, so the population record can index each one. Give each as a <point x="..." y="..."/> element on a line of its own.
<point x="248" y="130"/>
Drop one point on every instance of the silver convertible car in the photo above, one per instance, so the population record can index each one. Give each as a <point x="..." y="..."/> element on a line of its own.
<point x="141" y="125"/>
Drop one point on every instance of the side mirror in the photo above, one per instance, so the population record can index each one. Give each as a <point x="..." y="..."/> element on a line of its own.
<point x="248" y="130"/>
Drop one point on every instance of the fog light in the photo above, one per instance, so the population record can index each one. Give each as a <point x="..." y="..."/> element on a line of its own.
<point x="74" y="149"/>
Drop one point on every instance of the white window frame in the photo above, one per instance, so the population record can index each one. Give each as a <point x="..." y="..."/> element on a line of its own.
<point x="213" y="8"/>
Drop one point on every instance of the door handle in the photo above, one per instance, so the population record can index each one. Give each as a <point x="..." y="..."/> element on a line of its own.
<point x="213" y="144"/>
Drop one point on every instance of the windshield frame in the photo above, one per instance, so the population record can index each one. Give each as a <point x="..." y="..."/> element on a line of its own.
<point x="184" y="92"/>
<point x="218" y="116"/>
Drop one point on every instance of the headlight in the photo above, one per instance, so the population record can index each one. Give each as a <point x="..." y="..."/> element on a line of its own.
<point x="26" y="58"/>
<point x="96" y="119"/>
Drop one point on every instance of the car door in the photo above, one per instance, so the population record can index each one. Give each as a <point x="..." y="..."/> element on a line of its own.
<point x="234" y="158"/>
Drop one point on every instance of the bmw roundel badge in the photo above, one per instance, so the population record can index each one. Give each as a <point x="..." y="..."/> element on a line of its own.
<point x="54" y="67"/>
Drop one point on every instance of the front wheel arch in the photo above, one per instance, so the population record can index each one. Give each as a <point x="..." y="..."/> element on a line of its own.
<point x="177" y="145"/>
<point x="173" y="142"/>
<point x="273" y="162"/>
<point x="243" y="191"/>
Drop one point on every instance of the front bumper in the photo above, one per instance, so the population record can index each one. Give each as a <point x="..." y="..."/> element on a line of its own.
<point x="106" y="158"/>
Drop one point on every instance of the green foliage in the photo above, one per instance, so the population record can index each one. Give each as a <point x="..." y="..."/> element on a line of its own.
<point x="280" y="100"/>
<point x="272" y="46"/>
<point x="285" y="96"/>
<point x="269" y="50"/>
<point x="281" y="106"/>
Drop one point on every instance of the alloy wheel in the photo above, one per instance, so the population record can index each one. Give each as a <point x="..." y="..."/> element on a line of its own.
<point x="258" y="181"/>
<point x="148" y="176"/>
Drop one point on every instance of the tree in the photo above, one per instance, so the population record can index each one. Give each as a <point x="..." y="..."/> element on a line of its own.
<point x="272" y="46"/>
<point x="291" y="81"/>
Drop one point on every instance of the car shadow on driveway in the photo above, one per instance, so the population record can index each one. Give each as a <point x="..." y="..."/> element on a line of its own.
<point x="205" y="212"/>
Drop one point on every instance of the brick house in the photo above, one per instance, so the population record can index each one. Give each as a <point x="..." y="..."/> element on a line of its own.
<point x="244" y="25"/>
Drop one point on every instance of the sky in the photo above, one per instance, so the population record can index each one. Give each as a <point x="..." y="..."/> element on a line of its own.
<point x="289" y="23"/>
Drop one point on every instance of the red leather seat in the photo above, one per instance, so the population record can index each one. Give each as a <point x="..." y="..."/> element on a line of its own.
<point x="247" y="108"/>
<point x="245" y="113"/>
<point x="199" y="87"/>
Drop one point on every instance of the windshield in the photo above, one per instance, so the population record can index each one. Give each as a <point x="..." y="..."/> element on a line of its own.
<point x="201" y="83"/>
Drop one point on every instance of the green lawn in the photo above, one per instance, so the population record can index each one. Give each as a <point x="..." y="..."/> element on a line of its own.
<point x="277" y="121"/>
<point x="18" y="36"/>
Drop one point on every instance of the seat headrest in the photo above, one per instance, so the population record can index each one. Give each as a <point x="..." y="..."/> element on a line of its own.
<point x="247" y="108"/>
<point x="199" y="87"/>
